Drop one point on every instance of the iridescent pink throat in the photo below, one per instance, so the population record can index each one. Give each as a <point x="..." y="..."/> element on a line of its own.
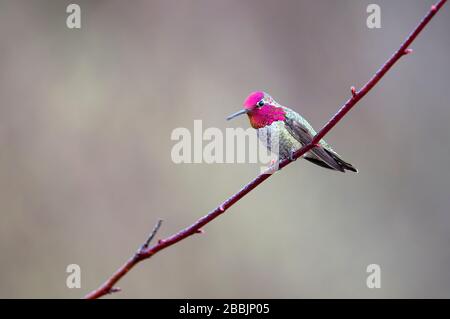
<point x="266" y="115"/>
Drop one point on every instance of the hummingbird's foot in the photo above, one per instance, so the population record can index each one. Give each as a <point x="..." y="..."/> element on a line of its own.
<point x="273" y="167"/>
<point x="291" y="155"/>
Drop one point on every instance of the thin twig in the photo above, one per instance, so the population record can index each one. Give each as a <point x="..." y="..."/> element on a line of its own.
<point x="152" y="235"/>
<point x="196" y="227"/>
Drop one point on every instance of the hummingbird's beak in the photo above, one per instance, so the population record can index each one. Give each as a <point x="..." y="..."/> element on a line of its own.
<point x="232" y="116"/>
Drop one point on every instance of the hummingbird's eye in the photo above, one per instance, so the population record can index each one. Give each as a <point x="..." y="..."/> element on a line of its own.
<point x="261" y="103"/>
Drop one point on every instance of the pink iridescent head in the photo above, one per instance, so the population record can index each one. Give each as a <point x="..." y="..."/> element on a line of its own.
<point x="262" y="110"/>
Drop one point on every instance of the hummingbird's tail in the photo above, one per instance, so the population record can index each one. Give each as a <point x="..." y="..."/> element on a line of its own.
<point x="329" y="159"/>
<point x="343" y="164"/>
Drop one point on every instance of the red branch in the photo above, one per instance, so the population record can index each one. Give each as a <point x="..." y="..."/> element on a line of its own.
<point x="146" y="252"/>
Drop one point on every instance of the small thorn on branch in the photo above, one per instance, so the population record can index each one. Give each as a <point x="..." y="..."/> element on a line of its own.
<point x="408" y="51"/>
<point x="114" y="290"/>
<point x="434" y="8"/>
<point x="200" y="231"/>
<point x="152" y="235"/>
<point x="353" y="90"/>
<point x="222" y="208"/>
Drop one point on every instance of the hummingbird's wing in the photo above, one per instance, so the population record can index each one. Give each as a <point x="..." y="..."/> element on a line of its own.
<point x="303" y="132"/>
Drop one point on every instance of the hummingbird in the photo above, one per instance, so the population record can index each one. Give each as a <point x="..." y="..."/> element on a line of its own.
<point x="270" y="118"/>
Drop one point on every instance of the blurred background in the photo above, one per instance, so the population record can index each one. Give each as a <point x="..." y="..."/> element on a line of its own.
<point x="85" y="162"/>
